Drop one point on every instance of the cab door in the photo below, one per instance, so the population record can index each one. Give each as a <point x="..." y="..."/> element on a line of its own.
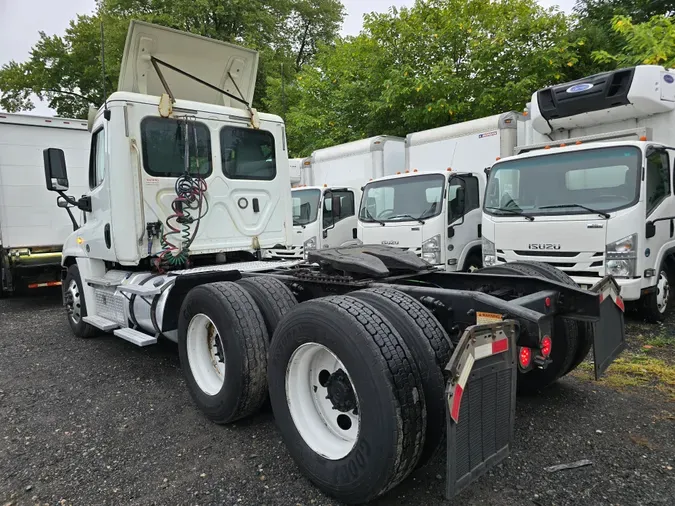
<point x="659" y="204"/>
<point x="339" y="228"/>
<point x="463" y="219"/>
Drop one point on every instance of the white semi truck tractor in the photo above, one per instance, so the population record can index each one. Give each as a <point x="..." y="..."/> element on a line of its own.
<point x="373" y="360"/>
<point x="434" y="207"/>
<point x="592" y="193"/>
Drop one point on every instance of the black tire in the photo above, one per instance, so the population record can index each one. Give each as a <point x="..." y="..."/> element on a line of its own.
<point x="584" y="329"/>
<point x="273" y="298"/>
<point x="75" y="303"/>
<point x="236" y="316"/>
<point x="564" y="339"/>
<point x="649" y="307"/>
<point x="388" y="386"/>
<point x="431" y="348"/>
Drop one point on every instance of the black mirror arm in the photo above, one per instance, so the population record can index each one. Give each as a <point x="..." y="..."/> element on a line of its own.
<point x="70" y="200"/>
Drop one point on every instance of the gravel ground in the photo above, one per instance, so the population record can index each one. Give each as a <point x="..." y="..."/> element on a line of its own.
<point x="101" y="421"/>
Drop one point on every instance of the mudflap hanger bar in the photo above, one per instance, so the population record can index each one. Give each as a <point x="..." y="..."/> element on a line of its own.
<point x="481" y="402"/>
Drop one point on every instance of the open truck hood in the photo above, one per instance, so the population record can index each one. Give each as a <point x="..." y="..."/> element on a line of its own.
<point x="209" y="60"/>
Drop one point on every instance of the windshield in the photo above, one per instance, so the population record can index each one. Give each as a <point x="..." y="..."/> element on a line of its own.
<point x="305" y="206"/>
<point x="402" y="199"/>
<point x="603" y="179"/>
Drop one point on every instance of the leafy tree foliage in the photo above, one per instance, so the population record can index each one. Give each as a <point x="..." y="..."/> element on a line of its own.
<point x="649" y="43"/>
<point x="66" y="70"/>
<point x="439" y="62"/>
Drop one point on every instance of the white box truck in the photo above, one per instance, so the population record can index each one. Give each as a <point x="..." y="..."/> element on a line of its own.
<point x="595" y="195"/>
<point x="335" y="176"/>
<point x="185" y="176"/>
<point x="434" y="208"/>
<point x="31" y="233"/>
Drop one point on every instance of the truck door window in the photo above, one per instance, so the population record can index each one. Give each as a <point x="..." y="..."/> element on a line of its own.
<point x="248" y="153"/>
<point x="97" y="159"/>
<point x="163" y="141"/>
<point x="471" y="196"/>
<point x="658" y="179"/>
<point x="346" y="207"/>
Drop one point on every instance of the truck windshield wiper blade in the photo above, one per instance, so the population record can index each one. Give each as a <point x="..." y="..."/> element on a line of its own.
<point x="372" y="218"/>
<point x="512" y="211"/>
<point x="589" y="209"/>
<point x="407" y="216"/>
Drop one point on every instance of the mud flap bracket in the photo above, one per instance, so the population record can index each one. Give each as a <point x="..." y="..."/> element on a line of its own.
<point x="481" y="402"/>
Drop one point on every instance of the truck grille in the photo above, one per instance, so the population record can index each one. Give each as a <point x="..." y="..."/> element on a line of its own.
<point x="573" y="263"/>
<point x="291" y="252"/>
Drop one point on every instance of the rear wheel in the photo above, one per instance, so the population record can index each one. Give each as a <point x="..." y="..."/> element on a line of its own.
<point x="655" y="305"/>
<point x="564" y="338"/>
<point x="222" y="345"/>
<point x="273" y="298"/>
<point x="584" y="329"/>
<point x="429" y="345"/>
<point x="76" y="306"/>
<point x="347" y="397"/>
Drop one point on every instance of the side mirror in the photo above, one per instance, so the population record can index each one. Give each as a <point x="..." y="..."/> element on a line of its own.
<point x="56" y="176"/>
<point x="336" y="208"/>
<point x="61" y="202"/>
<point x="650" y="230"/>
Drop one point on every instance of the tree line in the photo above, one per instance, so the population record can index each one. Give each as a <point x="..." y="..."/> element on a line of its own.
<point x="435" y="63"/>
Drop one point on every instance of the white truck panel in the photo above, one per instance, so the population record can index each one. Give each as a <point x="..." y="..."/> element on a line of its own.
<point x="27" y="210"/>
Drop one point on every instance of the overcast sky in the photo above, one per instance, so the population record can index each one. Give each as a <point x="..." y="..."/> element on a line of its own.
<point x="21" y="20"/>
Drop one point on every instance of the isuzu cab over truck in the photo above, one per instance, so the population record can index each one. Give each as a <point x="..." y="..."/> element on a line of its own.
<point x="595" y="195"/>
<point x="31" y="233"/>
<point x="351" y="347"/>
<point x="334" y="177"/>
<point x="434" y="209"/>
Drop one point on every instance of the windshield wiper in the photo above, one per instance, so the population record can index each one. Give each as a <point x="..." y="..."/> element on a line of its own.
<point x="408" y="216"/>
<point x="512" y="211"/>
<point x="371" y="218"/>
<point x="589" y="209"/>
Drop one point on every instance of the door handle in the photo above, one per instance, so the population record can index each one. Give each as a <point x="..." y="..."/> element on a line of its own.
<point x="106" y="235"/>
<point x="672" y="228"/>
<point x="256" y="206"/>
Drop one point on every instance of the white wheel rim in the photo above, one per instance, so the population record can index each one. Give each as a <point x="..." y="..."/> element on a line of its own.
<point x="662" y="292"/>
<point x="206" y="354"/>
<point x="330" y="432"/>
<point x="73" y="302"/>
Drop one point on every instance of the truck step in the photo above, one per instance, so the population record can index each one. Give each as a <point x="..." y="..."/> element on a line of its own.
<point x="100" y="323"/>
<point x="107" y="282"/>
<point x="136" y="337"/>
<point x="141" y="290"/>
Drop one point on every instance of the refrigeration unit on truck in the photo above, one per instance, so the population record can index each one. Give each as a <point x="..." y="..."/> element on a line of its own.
<point x="295" y="171"/>
<point x="352" y="346"/>
<point x="334" y="177"/>
<point x="31" y="233"/>
<point x="596" y="196"/>
<point x="434" y="208"/>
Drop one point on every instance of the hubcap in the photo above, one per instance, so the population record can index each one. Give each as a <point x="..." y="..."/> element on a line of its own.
<point x="662" y="292"/>
<point x="322" y="401"/>
<point x="206" y="354"/>
<point x="73" y="302"/>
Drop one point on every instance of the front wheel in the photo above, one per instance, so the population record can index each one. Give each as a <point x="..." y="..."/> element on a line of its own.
<point x="76" y="306"/>
<point x="655" y="305"/>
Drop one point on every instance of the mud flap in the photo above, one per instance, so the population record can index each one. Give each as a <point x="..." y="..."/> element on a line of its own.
<point x="609" y="334"/>
<point x="481" y="402"/>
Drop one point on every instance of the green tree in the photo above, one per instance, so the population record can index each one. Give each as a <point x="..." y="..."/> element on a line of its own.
<point x="66" y="70"/>
<point x="649" y="43"/>
<point x="438" y="62"/>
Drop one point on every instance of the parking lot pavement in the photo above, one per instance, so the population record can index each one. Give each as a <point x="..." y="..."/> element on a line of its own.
<point x="101" y="421"/>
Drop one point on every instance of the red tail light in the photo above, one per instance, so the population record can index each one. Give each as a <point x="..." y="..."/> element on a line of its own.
<point x="546" y="344"/>
<point x="525" y="357"/>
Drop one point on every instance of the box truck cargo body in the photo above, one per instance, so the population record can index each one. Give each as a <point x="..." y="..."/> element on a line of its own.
<point x="31" y="233"/>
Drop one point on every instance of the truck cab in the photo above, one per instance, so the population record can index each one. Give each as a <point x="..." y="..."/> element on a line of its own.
<point x="437" y="215"/>
<point x="323" y="218"/>
<point x="596" y="197"/>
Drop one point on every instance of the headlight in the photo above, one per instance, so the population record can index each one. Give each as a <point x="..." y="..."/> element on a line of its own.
<point x="308" y="245"/>
<point x="621" y="257"/>
<point x="431" y="250"/>
<point x="489" y="257"/>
